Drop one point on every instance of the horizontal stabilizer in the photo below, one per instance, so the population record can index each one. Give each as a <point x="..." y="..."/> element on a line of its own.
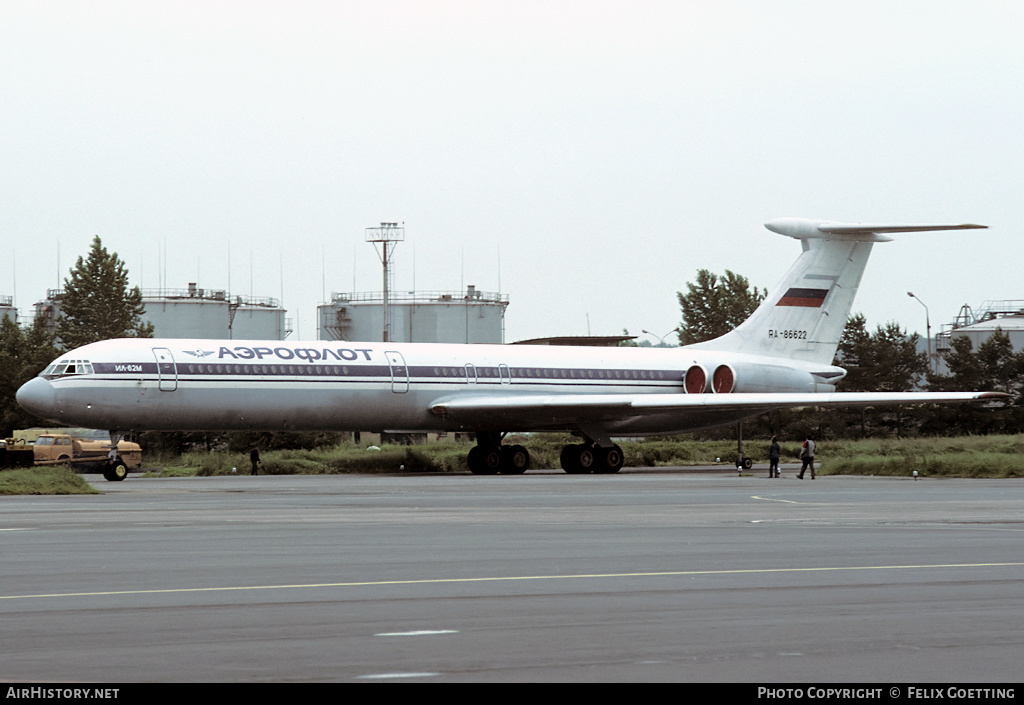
<point x="868" y="228"/>
<point x="804" y="229"/>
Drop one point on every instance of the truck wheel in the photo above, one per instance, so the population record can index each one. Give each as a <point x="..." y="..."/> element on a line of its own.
<point x="116" y="471"/>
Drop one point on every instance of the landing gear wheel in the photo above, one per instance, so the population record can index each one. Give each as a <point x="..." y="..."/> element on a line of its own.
<point x="747" y="463"/>
<point x="610" y="460"/>
<point x="115" y="471"/>
<point x="514" y="460"/>
<point x="586" y="458"/>
<point x="484" y="460"/>
<point x="578" y="459"/>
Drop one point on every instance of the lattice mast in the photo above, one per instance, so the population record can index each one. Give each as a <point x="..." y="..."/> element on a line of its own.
<point x="384" y="239"/>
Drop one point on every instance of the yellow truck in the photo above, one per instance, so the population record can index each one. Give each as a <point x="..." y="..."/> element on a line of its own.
<point x="87" y="454"/>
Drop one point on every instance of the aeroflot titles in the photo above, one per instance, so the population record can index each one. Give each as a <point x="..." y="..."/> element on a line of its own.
<point x="308" y="354"/>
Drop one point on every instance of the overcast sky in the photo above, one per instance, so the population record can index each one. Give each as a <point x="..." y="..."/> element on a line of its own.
<point x="585" y="157"/>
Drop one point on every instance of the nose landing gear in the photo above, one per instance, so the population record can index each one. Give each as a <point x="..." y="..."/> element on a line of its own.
<point x="115" y="469"/>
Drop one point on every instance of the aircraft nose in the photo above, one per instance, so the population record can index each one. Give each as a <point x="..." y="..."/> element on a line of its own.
<point x="37" y="396"/>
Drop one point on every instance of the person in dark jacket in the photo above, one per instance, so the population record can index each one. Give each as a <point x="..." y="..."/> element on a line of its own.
<point x="254" y="458"/>
<point x="774" y="452"/>
<point x="807" y="457"/>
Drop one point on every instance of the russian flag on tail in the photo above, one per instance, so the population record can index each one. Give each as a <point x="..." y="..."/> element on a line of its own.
<point x="806" y="298"/>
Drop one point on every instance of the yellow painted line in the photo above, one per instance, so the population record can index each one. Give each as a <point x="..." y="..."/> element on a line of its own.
<point x="509" y="578"/>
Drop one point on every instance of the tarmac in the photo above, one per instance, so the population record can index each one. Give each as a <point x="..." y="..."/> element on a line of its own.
<point x="649" y="575"/>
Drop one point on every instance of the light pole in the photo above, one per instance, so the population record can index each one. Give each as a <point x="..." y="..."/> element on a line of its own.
<point x="928" y="326"/>
<point x="662" y="338"/>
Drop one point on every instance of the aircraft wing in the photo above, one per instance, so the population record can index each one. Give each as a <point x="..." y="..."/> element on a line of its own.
<point x="540" y="410"/>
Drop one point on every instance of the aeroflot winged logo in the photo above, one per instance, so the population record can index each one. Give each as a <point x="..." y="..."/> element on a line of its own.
<point x="806" y="298"/>
<point x="198" y="352"/>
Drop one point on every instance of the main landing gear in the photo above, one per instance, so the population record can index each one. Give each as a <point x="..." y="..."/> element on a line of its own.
<point x="490" y="457"/>
<point x="583" y="458"/>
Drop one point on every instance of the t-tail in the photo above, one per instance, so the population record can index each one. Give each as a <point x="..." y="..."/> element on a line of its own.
<point x="804" y="316"/>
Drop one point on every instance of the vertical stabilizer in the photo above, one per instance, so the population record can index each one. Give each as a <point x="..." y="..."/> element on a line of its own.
<point x="804" y="316"/>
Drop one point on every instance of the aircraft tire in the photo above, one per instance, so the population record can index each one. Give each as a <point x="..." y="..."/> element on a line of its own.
<point x="578" y="459"/>
<point x="515" y="460"/>
<point x="115" y="471"/>
<point x="609" y="460"/>
<point x="586" y="458"/>
<point x="484" y="460"/>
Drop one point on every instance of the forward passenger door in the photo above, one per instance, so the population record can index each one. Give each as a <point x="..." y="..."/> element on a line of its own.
<point x="166" y="370"/>
<point x="399" y="372"/>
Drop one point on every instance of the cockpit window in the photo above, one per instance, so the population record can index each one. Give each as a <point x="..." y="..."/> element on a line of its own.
<point x="67" y="368"/>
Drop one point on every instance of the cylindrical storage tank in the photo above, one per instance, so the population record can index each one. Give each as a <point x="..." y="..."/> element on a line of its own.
<point x="416" y="317"/>
<point x="183" y="317"/>
<point x="7" y="308"/>
<point x="258" y="322"/>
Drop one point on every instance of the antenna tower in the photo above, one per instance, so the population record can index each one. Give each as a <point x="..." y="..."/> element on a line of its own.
<point x="384" y="239"/>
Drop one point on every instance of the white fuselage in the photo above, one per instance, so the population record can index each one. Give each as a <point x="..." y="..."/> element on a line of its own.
<point x="171" y="384"/>
<point x="780" y="357"/>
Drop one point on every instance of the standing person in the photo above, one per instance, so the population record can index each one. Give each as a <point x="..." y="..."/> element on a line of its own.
<point x="807" y="457"/>
<point x="774" y="451"/>
<point x="254" y="458"/>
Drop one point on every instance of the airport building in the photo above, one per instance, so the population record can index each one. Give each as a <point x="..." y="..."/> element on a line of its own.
<point x="199" y="313"/>
<point x="471" y="316"/>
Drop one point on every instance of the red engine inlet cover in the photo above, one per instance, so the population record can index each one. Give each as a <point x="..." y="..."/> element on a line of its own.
<point x="723" y="380"/>
<point x="696" y="380"/>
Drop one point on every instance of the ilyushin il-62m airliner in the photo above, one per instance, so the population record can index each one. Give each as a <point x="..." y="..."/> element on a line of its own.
<point x="780" y="357"/>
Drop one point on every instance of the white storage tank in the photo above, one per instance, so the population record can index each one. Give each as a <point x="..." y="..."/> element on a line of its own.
<point x="417" y="317"/>
<point x="198" y="313"/>
<point x="258" y="319"/>
<point x="7" y="308"/>
<point x="186" y="313"/>
<point x="1006" y="316"/>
